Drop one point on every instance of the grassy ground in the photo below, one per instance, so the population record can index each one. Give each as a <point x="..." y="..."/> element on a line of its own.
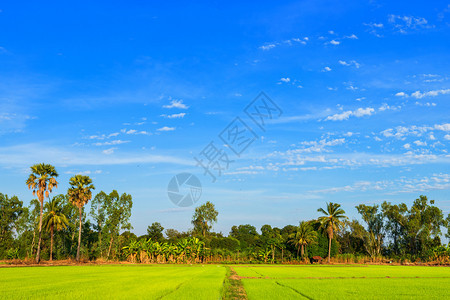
<point x="118" y="282"/>
<point x="215" y="282"/>
<point x="346" y="282"/>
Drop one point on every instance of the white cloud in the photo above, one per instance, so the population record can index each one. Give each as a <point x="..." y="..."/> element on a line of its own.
<point x="287" y="79"/>
<point x="334" y="42"/>
<point x="401" y="185"/>
<point x="83" y="172"/>
<point x="268" y="47"/>
<point x="176" y="104"/>
<point x="109" y="151"/>
<point x="340" y="117"/>
<point x="360" y="112"/>
<point x="447" y="137"/>
<point x="174" y="116"/>
<point x="352" y="37"/>
<point x="103" y="136"/>
<point x="326" y="69"/>
<point x="419" y="95"/>
<point x="300" y="40"/>
<point x="420" y="143"/>
<point x="401" y="94"/>
<point x="165" y="128"/>
<point x="374" y="28"/>
<point x="407" y="146"/>
<point x="27" y="154"/>
<point x="385" y="106"/>
<point x="135" y="132"/>
<point x="115" y="142"/>
<point x="443" y="127"/>
<point x="403" y="24"/>
<point x="352" y="62"/>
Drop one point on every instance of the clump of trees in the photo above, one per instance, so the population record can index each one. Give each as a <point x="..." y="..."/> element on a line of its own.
<point x="60" y="227"/>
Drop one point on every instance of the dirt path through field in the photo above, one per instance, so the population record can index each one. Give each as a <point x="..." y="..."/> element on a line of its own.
<point x="234" y="289"/>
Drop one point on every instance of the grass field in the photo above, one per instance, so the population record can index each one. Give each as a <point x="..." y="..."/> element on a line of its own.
<point x="207" y="282"/>
<point x="112" y="281"/>
<point x="346" y="282"/>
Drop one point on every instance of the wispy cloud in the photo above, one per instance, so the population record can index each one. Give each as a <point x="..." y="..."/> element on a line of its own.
<point x="404" y="24"/>
<point x="267" y="47"/>
<point x="115" y="142"/>
<point x="349" y="63"/>
<point x="174" y="116"/>
<point x="28" y="154"/>
<point x="165" y="128"/>
<point x="109" y="151"/>
<point x="176" y="104"/>
<point x="360" y="112"/>
<point x="420" y="95"/>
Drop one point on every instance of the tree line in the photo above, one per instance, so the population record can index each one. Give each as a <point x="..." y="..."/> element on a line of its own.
<point x="60" y="227"/>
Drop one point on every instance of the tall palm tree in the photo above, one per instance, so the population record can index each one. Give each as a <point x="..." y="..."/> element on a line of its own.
<point x="80" y="192"/>
<point x="303" y="236"/>
<point x="332" y="221"/>
<point x="42" y="180"/>
<point x="54" y="218"/>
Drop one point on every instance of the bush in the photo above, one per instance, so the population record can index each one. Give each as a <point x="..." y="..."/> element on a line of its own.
<point x="12" y="253"/>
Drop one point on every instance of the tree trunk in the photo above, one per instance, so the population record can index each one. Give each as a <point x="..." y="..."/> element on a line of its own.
<point x="38" y="253"/>
<point x="79" y="238"/>
<point x="32" y="242"/>
<point x="329" y="249"/>
<point x="110" y="245"/>
<point x="298" y="249"/>
<point x="303" y="250"/>
<point x="100" y="240"/>
<point x="51" y="243"/>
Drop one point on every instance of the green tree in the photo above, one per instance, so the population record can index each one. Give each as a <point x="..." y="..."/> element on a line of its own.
<point x="331" y="221"/>
<point x="42" y="180"/>
<point x="246" y="235"/>
<point x="80" y="192"/>
<point x="375" y="228"/>
<point x="118" y="213"/>
<point x="416" y="229"/>
<point x="98" y="214"/>
<point x="11" y="210"/>
<point x="155" y="231"/>
<point x="303" y="236"/>
<point x="203" y="217"/>
<point x="54" y="219"/>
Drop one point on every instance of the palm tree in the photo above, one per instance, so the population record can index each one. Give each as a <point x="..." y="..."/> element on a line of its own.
<point x="42" y="180"/>
<point x="331" y="221"/>
<point x="303" y="236"/>
<point x="80" y="192"/>
<point x="54" y="218"/>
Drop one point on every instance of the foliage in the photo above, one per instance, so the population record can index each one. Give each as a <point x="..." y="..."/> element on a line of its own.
<point x="80" y="192"/>
<point x="332" y="221"/>
<point x="203" y="218"/>
<point x="42" y="180"/>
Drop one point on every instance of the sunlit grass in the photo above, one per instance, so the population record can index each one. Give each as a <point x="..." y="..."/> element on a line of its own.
<point x="346" y="282"/>
<point x="118" y="282"/>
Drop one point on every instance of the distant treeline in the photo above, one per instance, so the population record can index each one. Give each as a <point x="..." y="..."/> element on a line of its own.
<point x="60" y="228"/>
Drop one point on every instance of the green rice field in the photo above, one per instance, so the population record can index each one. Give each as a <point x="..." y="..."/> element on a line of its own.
<point x="208" y="282"/>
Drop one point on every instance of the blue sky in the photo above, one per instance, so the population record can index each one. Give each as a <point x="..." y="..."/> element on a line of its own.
<point x="129" y="93"/>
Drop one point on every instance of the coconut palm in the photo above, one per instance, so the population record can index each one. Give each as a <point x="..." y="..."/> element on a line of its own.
<point x="332" y="221"/>
<point x="54" y="218"/>
<point x="80" y="192"/>
<point x="303" y="236"/>
<point x="42" y="180"/>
